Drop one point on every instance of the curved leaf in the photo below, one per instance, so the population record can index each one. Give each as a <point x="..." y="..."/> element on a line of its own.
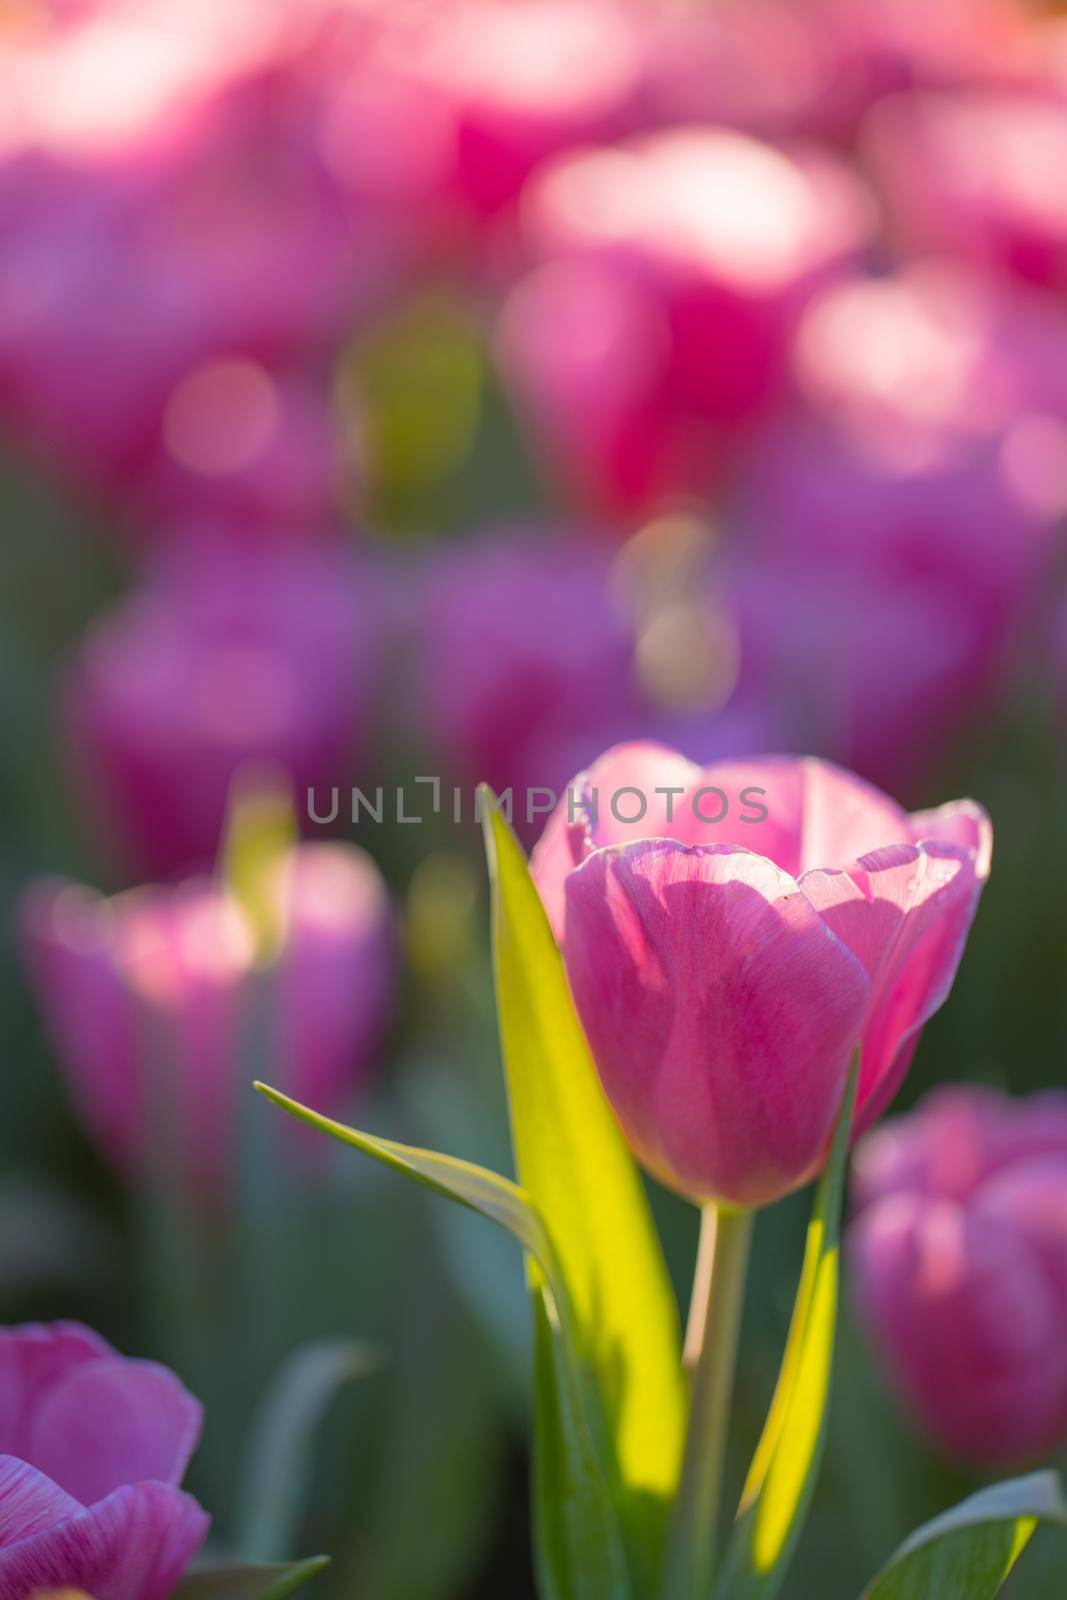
<point x="250" y="1583"/>
<point x="573" y="1162"/>
<point x="278" y="1455"/>
<point x="968" y="1552"/>
<point x="781" y="1479"/>
<point x="595" y="1566"/>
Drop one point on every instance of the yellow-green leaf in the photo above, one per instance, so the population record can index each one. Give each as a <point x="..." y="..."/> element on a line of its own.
<point x="968" y="1552"/>
<point x="579" y="1539"/>
<point x="259" y="836"/>
<point x="781" y="1479"/>
<point x="574" y="1164"/>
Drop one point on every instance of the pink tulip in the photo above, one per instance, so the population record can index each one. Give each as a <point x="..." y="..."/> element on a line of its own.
<point x="978" y="173"/>
<point x="169" y="210"/>
<point x="226" y="657"/>
<point x="913" y="504"/>
<point x="959" y="1261"/>
<point x="530" y="664"/>
<point x="523" y="82"/>
<point x="93" y="1447"/>
<point x="728" y="950"/>
<point x="149" y="999"/>
<point x="653" y="332"/>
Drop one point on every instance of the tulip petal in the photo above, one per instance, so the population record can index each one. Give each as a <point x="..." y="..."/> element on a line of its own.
<point x="799" y="813"/>
<point x="720" y="1010"/>
<point x="29" y="1501"/>
<point x="111" y="1421"/>
<point x="947" y="1293"/>
<point x="905" y="912"/>
<point x="32" y="1358"/>
<point x="134" y="1545"/>
<point x="960" y="822"/>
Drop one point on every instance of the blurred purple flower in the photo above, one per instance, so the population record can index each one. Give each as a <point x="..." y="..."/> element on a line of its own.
<point x="959" y="1260"/>
<point x="93" y="1447"/>
<point x="653" y="332"/>
<point x="149" y="998"/>
<point x="532" y="660"/>
<point x="195" y="221"/>
<point x="225" y="657"/>
<point x="894" y="536"/>
<point x="978" y="173"/>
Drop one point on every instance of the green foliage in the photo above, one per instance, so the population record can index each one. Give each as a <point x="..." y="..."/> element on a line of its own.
<point x="574" y="1164"/>
<point x="250" y="1583"/>
<point x="782" y="1477"/>
<point x="968" y="1552"/>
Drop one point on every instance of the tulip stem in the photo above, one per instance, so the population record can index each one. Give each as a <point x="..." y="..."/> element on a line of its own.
<point x="710" y="1359"/>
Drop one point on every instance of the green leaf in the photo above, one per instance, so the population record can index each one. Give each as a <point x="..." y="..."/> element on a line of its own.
<point x="476" y="1187"/>
<point x="594" y="1567"/>
<point x="781" y="1479"/>
<point x="968" y="1552"/>
<point x="279" y="1453"/>
<point x="250" y="1583"/>
<point x="574" y="1164"/>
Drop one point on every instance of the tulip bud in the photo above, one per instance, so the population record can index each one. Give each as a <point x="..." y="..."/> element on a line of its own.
<point x="959" y="1262"/>
<point x="729" y="949"/>
<point x="149" y="996"/>
<point x="225" y="658"/>
<point x="654" y="329"/>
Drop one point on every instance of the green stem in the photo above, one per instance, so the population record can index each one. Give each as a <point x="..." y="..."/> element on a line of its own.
<point x="710" y="1357"/>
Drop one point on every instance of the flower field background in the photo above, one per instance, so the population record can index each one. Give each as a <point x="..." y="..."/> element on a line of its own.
<point x="400" y="398"/>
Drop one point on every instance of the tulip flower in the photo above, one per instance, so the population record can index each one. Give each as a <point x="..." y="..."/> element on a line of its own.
<point x="148" y="999"/>
<point x="545" y="607"/>
<point x="93" y="1448"/>
<point x="914" y="502"/>
<point x="959" y="1265"/>
<point x="226" y="657"/>
<point x="977" y="172"/>
<point x="653" y="332"/>
<point x="732" y="934"/>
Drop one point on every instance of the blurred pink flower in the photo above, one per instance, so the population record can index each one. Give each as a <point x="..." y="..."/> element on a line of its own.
<point x="729" y="948"/>
<point x="149" y="998"/>
<point x="780" y="70"/>
<point x="530" y="664"/>
<point x="223" y="658"/>
<point x="977" y="174"/>
<point x="653" y="331"/>
<point x="959" y="1262"/>
<point x="525" y="81"/>
<point x="911" y="508"/>
<point x="206" y="228"/>
<point x="93" y="1447"/>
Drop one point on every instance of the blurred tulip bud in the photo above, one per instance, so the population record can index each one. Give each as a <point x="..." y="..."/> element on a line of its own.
<point x="959" y="1265"/>
<point x="540" y="646"/>
<point x="150" y="999"/>
<point x="93" y="1448"/>
<point x="653" y="332"/>
<point x="914" y="505"/>
<point x="226" y="657"/>
<point x="730" y="948"/>
<point x="976" y="173"/>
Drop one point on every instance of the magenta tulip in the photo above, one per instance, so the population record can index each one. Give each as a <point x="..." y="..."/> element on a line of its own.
<point x="148" y="1000"/>
<point x="653" y="332"/>
<point x="732" y="934"/>
<point x="227" y="656"/>
<point x="959" y="1262"/>
<point x="530" y="664"/>
<point x="977" y="173"/>
<point x="93" y="1447"/>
